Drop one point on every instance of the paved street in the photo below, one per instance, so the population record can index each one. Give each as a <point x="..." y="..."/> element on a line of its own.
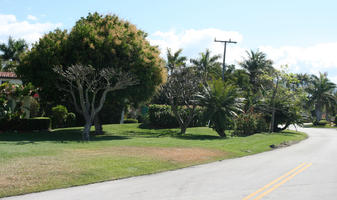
<point x="307" y="170"/>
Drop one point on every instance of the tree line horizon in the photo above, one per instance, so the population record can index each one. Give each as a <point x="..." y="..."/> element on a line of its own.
<point x="252" y="91"/>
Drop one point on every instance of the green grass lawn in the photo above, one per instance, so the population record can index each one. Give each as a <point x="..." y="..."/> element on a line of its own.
<point x="37" y="161"/>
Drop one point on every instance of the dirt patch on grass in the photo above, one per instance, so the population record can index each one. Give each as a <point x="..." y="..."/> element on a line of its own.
<point x="29" y="174"/>
<point x="181" y="155"/>
<point x="24" y="174"/>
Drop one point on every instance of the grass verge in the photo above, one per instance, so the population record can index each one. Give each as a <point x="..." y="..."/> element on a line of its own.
<point x="32" y="162"/>
<point x="310" y="125"/>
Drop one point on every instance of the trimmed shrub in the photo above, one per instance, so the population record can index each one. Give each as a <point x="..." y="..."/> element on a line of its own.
<point x="39" y="123"/>
<point x="59" y="116"/>
<point x="161" y="116"/>
<point x="70" y="119"/>
<point x="130" y="120"/>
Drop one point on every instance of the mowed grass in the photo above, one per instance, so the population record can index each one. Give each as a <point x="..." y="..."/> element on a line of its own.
<point x="31" y="162"/>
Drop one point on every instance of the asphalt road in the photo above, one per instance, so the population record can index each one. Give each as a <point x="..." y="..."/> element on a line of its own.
<point x="307" y="170"/>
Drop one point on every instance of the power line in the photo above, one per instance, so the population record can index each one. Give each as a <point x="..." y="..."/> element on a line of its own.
<point x="224" y="54"/>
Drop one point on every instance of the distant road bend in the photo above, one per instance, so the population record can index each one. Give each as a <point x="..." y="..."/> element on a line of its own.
<point x="307" y="170"/>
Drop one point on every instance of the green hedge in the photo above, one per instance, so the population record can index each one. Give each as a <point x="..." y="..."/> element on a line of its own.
<point x="161" y="116"/>
<point x="39" y="123"/>
<point x="130" y="120"/>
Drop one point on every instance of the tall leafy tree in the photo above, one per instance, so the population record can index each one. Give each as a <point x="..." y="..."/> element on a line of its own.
<point x="321" y="94"/>
<point x="10" y="53"/>
<point x="206" y="64"/>
<point x="256" y="64"/>
<point x="284" y="100"/>
<point x="102" y="41"/>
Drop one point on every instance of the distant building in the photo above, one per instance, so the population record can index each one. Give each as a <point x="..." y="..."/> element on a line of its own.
<point x="9" y="77"/>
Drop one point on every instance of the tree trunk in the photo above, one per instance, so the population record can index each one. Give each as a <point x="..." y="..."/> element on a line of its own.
<point x="273" y="107"/>
<point x="221" y="133"/>
<point x="98" y="126"/>
<point x="178" y="117"/>
<point x="318" y="113"/>
<point x="183" y="130"/>
<point x="86" y="131"/>
<point x="327" y="117"/>
<point x="122" y="117"/>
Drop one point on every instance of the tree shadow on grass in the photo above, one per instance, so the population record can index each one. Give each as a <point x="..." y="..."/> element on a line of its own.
<point x="175" y="133"/>
<point x="199" y="137"/>
<point x="150" y="134"/>
<point x="59" y="136"/>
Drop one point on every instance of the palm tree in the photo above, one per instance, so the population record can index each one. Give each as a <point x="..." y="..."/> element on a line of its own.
<point x="222" y="103"/>
<point x="256" y="65"/>
<point x="175" y="60"/>
<point x="11" y="53"/>
<point x="321" y="94"/>
<point x="206" y="64"/>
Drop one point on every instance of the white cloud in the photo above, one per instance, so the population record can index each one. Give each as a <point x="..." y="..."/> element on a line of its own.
<point x="31" y="17"/>
<point x="31" y="32"/>
<point x="194" y="41"/>
<point x="312" y="59"/>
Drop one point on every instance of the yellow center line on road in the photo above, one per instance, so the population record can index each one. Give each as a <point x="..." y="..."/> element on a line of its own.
<point x="282" y="182"/>
<point x="275" y="181"/>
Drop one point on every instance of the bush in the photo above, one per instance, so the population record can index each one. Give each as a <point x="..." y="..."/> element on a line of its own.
<point x="59" y="116"/>
<point x="70" y="119"/>
<point x="261" y="124"/>
<point x="245" y="125"/>
<point x="161" y="116"/>
<point x="249" y="123"/>
<point x="130" y="120"/>
<point x="321" y="123"/>
<point x="335" y="121"/>
<point x="39" y="123"/>
<point x="34" y="108"/>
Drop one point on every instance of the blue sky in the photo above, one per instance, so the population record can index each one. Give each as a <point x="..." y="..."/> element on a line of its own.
<point x="299" y="33"/>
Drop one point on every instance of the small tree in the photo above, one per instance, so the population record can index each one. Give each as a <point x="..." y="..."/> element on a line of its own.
<point x="181" y="89"/>
<point x="222" y="103"/>
<point x="283" y="102"/>
<point x="88" y="89"/>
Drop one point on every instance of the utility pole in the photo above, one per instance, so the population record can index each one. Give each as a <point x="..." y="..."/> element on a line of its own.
<point x="224" y="55"/>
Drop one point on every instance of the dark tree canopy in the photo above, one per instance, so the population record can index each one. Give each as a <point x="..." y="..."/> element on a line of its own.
<point x="99" y="41"/>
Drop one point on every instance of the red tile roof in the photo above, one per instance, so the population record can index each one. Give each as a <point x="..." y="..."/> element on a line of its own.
<point x="8" y="75"/>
